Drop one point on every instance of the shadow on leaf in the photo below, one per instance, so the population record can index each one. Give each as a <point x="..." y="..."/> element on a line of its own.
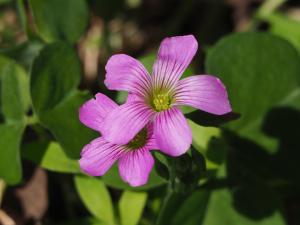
<point x="206" y="119"/>
<point x="261" y="182"/>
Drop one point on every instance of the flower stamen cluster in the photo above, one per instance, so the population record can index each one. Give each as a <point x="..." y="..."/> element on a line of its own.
<point x="161" y="102"/>
<point x="138" y="141"/>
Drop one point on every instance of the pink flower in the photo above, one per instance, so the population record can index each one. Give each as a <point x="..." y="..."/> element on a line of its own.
<point x="134" y="158"/>
<point x="157" y="98"/>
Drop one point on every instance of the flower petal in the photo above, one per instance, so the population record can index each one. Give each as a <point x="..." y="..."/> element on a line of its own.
<point x="126" y="73"/>
<point x="151" y="140"/>
<point x="135" y="166"/>
<point x="133" y="98"/>
<point x="94" y="111"/>
<point x="98" y="156"/>
<point x="203" y="92"/>
<point x="174" y="56"/>
<point x="123" y="123"/>
<point x="172" y="132"/>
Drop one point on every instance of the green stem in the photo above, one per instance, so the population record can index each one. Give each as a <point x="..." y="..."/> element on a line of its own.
<point x="166" y="212"/>
<point x="268" y="7"/>
<point x="264" y="11"/>
<point x="164" y="208"/>
<point x="32" y="120"/>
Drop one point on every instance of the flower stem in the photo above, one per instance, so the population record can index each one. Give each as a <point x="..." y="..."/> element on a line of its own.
<point x="166" y="211"/>
<point x="269" y="7"/>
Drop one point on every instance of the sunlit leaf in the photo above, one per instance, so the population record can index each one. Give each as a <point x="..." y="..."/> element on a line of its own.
<point x="131" y="206"/>
<point x="51" y="157"/>
<point x="220" y="211"/>
<point x="96" y="198"/>
<point x="203" y="141"/>
<point x="202" y="135"/>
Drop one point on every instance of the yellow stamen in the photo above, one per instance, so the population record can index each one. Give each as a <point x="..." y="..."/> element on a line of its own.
<point x="161" y="102"/>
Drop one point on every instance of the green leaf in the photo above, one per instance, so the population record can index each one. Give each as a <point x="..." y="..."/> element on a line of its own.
<point x="50" y="156"/>
<point x="259" y="71"/>
<point x="24" y="53"/>
<point x="148" y="61"/>
<point x="10" y="162"/>
<point x="284" y="27"/>
<point x="113" y="179"/>
<point x="14" y="102"/>
<point x="131" y="207"/>
<point x="60" y="20"/>
<point x="55" y="74"/>
<point x="14" y="90"/>
<point x="54" y="78"/>
<point x="160" y="166"/>
<point x="169" y="207"/>
<point x="96" y="198"/>
<point x="202" y="140"/>
<point x="55" y="159"/>
<point x="22" y="14"/>
<point x="187" y="209"/>
<point x="219" y="206"/>
<point x="64" y="124"/>
<point x="202" y="135"/>
<point x="220" y="211"/>
<point x="192" y="210"/>
<point x="121" y="97"/>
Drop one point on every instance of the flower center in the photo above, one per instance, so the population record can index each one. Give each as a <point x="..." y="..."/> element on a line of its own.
<point x="161" y="102"/>
<point x="139" y="140"/>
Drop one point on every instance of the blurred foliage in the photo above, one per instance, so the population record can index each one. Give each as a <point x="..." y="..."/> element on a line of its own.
<point x="60" y="20"/>
<point x="242" y="168"/>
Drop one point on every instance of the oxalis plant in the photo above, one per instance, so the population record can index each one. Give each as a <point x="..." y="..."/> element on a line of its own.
<point x="157" y="140"/>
